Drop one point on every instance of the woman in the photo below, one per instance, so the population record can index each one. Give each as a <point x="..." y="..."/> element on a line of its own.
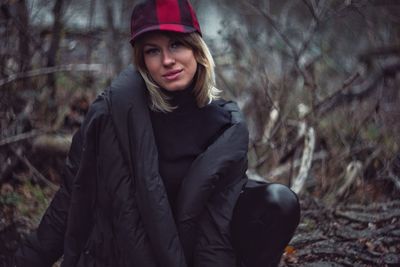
<point x="156" y="174"/>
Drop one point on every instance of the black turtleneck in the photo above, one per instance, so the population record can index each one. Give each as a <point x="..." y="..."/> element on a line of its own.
<point x="183" y="134"/>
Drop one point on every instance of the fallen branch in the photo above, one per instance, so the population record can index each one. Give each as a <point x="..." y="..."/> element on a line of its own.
<point x="282" y="169"/>
<point x="364" y="217"/>
<point x="253" y="175"/>
<point x="374" y="207"/>
<point x="273" y="117"/>
<point x="49" y="70"/>
<point x="55" y="144"/>
<point x="353" y="171"/>
<point x="346" y="232"/>
<point x="19" y="137"/>
<point x="306" y="161"/>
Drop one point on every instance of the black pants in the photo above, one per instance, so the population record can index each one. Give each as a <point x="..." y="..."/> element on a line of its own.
<point x="264" y="221"/>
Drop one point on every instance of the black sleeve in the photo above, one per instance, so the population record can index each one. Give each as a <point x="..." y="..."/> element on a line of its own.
<point x="210" y="176"/>
<point x="45" y="246"/>
<point x="213" y="247"/>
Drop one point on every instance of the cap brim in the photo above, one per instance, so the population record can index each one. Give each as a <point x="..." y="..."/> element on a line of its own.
<point x="164" y="27"/>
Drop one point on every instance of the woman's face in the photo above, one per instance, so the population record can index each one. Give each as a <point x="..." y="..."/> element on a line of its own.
<point x="171" y="64"/>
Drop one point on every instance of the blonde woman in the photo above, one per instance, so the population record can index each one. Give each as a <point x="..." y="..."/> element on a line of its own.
<point x="156" y="174"/>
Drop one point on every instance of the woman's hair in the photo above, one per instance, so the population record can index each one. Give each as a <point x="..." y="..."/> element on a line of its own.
<point x="204" y="79"/>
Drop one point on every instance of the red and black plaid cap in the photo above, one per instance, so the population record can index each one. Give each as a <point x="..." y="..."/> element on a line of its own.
<point x="164" y="15"/>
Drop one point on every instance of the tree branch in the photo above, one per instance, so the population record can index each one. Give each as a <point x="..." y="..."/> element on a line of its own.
<point x="273" y="24"/>
<point x="45" y="71"/>
<point x="35" y="171"/>
<point x="19" y="137"/>
<point x="306" y="161"/>
<point x="361" y="91"/>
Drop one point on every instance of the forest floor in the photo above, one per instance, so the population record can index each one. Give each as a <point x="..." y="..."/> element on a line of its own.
<point x="344" y="235"/>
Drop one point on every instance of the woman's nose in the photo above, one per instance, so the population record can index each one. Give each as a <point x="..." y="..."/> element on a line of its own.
<point x="168" y="58"/>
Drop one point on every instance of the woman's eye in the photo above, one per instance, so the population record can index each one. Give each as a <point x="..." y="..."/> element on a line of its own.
<point x="176" y="44"/>
<point x="151" y="51"/>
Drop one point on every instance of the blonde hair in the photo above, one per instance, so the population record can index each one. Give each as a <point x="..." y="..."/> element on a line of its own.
<point x="204" y="86"/>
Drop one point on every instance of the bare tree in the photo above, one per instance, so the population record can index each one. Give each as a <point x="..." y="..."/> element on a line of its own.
<point x="290" y="53"/>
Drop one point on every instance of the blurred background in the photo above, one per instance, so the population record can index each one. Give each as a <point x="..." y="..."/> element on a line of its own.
<point x="318" y="82"/>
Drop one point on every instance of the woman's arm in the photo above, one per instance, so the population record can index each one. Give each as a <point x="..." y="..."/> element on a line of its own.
<point x="45" y="246"/>
<point x="213" y="246"/>
<point x="214" y="180"/>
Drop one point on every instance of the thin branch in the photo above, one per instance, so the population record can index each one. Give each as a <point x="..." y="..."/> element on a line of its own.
<point x="311" y="9"/>
<point x="366" y="118"/>
<point x="394" y="179"/>
<point x="229" y="90"/>
<point x="382" y="51"/>
<point x="273" y="24"/>
<point x="284" y="168"/>
<point x="48" y="70"/>
<point x="361" y="91"/>
<point x="353" y="171"/>
<point x="307" y="41"/>
<point x="19" y="137"/>
<point x="36" y="172"/>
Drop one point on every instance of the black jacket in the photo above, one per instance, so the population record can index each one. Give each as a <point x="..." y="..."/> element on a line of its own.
<point x="112" y="208"/>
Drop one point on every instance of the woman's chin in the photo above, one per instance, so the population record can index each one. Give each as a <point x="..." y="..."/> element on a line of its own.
<point x="175" y="87"/>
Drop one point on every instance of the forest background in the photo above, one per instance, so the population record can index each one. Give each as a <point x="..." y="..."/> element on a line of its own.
<point x="318" y="82"/>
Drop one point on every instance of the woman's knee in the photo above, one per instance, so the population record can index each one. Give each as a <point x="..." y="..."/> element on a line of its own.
<point x="266" y="218"/>
<point x="283" y="202"/>
<point x="268" y="204"/>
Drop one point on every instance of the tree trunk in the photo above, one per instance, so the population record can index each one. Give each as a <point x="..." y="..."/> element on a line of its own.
<point x="4" y="52"/>
<point x="54" y="46"/>
<point x="113" y="41"/>
<point x="89" y="38"/>
<point x="23" y="37"/>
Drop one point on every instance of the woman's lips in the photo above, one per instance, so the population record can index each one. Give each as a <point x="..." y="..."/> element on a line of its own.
<point x="172" y="75"/>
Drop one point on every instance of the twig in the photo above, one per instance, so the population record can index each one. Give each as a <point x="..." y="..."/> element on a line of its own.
<point x="272" y="22"/>
<point x="361" y="91"/>
<point x="371" y="157"/>
<point x="365" y="217"/>
<point x="335" y="96"/>
<point x="273" y="117"/>
<point x="286" y="167"/>
<point x="395" y="180"/>
<point x="253" y="175"/>
<point x="382" y="51"/>
<point x="36" y="172"/>
<point x="48" y="70"/>
<point x="364" y="121"/>
<point x="315" y="23"/>
<point x="373" y="207"/>
<point x="229" y="90"/>
<point x="353" y="171"/>
<point x="311" y="9"/>
<point x="19" y="137"/>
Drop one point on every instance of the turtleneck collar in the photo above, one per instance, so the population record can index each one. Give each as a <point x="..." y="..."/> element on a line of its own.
<point x="182" y="99"/>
